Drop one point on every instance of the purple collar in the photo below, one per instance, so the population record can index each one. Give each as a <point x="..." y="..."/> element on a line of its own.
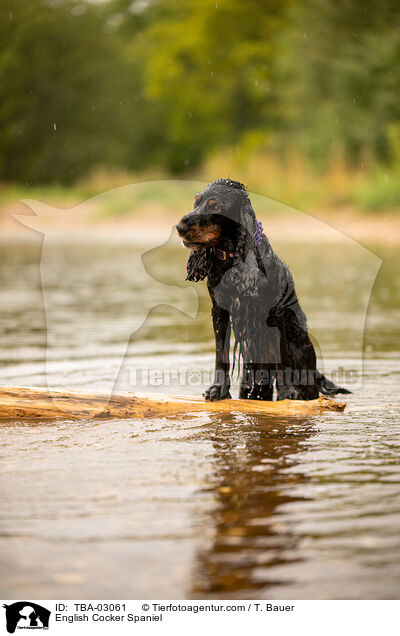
<point x="230" y="256"/>
<point x="258" y="234"/>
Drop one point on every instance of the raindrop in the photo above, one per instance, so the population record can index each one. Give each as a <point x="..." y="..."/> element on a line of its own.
<point x="54" y="126"/>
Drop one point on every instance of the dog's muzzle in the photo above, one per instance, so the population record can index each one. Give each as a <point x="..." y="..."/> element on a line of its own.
<point x="182" y="229"/>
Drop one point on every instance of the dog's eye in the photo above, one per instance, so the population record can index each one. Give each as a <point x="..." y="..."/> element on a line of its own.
<point x="213" y="204"/>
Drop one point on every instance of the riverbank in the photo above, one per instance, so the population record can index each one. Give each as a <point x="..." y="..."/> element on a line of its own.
<point x="157" y="220"/>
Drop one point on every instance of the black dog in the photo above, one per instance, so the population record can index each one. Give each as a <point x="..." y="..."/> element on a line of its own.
<point x="253" y="291"/>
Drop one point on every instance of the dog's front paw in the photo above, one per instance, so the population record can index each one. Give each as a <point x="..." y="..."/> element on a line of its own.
<point x="217" y="392"/>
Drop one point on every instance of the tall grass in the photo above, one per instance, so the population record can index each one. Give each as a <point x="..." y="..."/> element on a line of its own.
<point x="289" y="180"/>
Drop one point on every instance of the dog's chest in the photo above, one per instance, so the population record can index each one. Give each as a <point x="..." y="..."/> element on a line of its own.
<point x="239" y="284"/>
<point x="236" y="300"/>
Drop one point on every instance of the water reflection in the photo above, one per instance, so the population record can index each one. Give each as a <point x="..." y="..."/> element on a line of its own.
<point x="198" y="506"/>
<point x="252" y="481"/>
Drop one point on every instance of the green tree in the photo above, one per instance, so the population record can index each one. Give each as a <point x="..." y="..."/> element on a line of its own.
<point x="211" y="65"/>
<point x="342" y="77"/>
<point x="61" y="92"/>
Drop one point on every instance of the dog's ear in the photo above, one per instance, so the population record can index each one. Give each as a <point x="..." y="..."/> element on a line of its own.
<point x="247" y="227"/>
<point x="198" y="265"/>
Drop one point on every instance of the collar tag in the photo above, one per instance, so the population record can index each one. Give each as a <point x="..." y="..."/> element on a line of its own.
<point x="223" y="255"/>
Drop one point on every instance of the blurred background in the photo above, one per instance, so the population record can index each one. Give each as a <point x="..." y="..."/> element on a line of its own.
<point x="112" y="116"/>
<point x="299" y="100"/>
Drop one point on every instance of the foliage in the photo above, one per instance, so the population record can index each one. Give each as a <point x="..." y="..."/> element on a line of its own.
<point x="213" y="68"/>
<point x="165" y="85"/>
<point x="342" y="63"/>
<point x="59" y="91"/>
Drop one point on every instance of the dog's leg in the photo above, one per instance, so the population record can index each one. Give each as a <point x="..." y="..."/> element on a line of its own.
<point x="297" y="375"/>
<point x="220" y="389"/>
<point x="257" y="382"/>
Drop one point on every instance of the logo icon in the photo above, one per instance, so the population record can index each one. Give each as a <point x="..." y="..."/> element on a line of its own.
<point x="26" y="615"/>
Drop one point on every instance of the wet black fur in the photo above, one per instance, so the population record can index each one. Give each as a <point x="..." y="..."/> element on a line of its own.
<point x="254" y="295"/>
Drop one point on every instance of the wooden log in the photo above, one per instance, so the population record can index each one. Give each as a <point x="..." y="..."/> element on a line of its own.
<point x="44" y="404"/>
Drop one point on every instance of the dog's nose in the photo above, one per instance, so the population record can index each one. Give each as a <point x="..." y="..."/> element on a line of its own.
<point x="182" y="229"/>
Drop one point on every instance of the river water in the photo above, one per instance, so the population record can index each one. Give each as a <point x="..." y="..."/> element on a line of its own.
<point x="200" y="506"/>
